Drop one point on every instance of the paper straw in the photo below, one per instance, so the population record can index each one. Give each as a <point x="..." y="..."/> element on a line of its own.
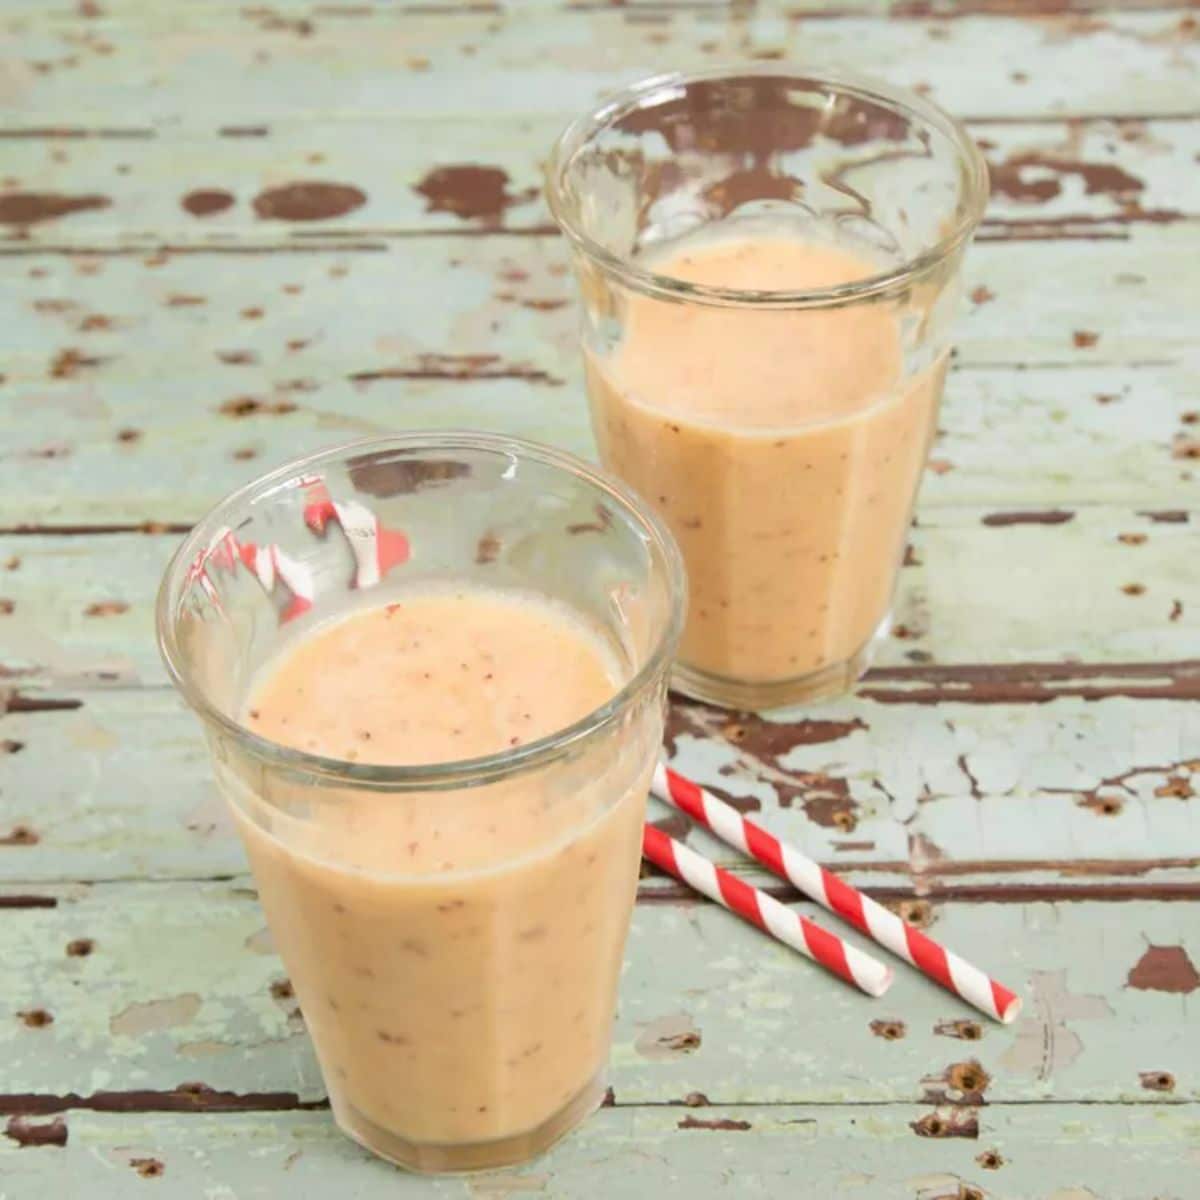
<point x="781" y="922"/>
<point x="866" y="915"/>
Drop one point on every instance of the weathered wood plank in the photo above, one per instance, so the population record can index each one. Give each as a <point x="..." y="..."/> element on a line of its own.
<point x="530" y="60"/>
<point x="862" y="1153"/>
<point x="218" y="12"/>
<point x="935" y="797"/>
<point x="94" y="450"/>
<point x="176" y="987"/>
<point x="371" y="306"/>
<point x="1071" y="177"/>
<point x="1018" y="585"/>
<point x="126" y="364"/>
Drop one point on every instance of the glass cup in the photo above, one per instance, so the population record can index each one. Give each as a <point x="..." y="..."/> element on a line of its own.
<point x="461" y="1015"/>
<point x="769" y="264"/>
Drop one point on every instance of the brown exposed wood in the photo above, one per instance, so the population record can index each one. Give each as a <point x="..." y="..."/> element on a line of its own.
<point x="951" y="10"/>
<point x="1167" y="516"/>
<point x="964" y="1030"/>
<point x="1164" y="969"/>
<point x="67" y="363"/>
<point x="106" y="608"/>
<point x="251" y="249"/>
<point x="206" y="202"/>
<point x="59" y="132"/>
<point x="1010" y="178"/>
<point x="464" y="367"/>
<point x="28" y="1133"/>
<point x="960" y="1083"/>
<point x="20" y="835"/>
<point x="18" y="702"/>
<point x="947" y="1123"/>
<point x="470" y="191"/>
<point x="188" y="1097"/>
<point x="1031" y="683"/>
<point x="151" y="527"/>
<point x="1050" y="517"/>
<point x="29" y="208"/>
<point x="247" y="406"/>
<point x="308" y="201"/>
<point x="724" y="1123"/>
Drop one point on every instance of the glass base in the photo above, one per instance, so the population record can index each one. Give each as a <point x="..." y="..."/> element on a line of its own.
<point x="748" y="695"/>
<point x="458" y="1158"/>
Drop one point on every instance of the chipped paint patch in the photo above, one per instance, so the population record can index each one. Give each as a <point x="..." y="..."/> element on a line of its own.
<point x="470" y="192"/>
<point x="960" y="1083"/>
<point x="207" y="202"/>
<point x="1035" y="178"/>
<point x="947" y="1123"/>
<point x="28" y="1133"/>
<point x="1157" y="1081"/>
<point x="205" y="1049"/>
<point x="260" y="942"/>
<point x="28" y="208"/>
<point x="967" y="1031"/>
<point x="724" y="1123"/>
<point x="308" y="201"/>
<point x="1049" y="517"/>
<point x="668" y="1038"/>
<point x="20" y="835"/>
<point x="155" y="1015"/>
<point x="1164" y="969"/>
<point x="1045" y="1042"/>
<point x="500" y="1187"/>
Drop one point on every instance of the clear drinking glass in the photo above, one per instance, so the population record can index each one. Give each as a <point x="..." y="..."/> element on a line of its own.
<point x="769" y="263"/>
<point x="461" y="1017"/>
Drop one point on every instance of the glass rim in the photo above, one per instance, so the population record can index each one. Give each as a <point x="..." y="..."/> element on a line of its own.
<point x="581" y="130"/>
<point x="456" y="773"/>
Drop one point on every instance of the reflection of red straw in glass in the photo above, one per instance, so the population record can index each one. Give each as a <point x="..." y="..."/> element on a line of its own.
<point x="376" y="548"/>
<point x="835" y="894"/>
<point x="270" y="563"/>
<point x="224" y="551"/>
<point x="319" y="510"/>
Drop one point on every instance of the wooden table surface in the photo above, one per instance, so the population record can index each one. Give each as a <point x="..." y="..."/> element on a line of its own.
<point x="236" y="232"/>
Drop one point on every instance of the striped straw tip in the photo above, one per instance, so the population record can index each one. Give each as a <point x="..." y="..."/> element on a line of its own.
<point x="1011" y="1011"/>
<point x="880" y="983"/>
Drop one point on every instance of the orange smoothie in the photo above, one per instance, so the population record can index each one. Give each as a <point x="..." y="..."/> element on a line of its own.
<point x="783" y="447"/>
<point x="455" y="953"/>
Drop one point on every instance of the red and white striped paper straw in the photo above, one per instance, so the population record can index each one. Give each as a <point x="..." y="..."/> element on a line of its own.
<point x="781" y="922"/>
<point x="866" y="915"/>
